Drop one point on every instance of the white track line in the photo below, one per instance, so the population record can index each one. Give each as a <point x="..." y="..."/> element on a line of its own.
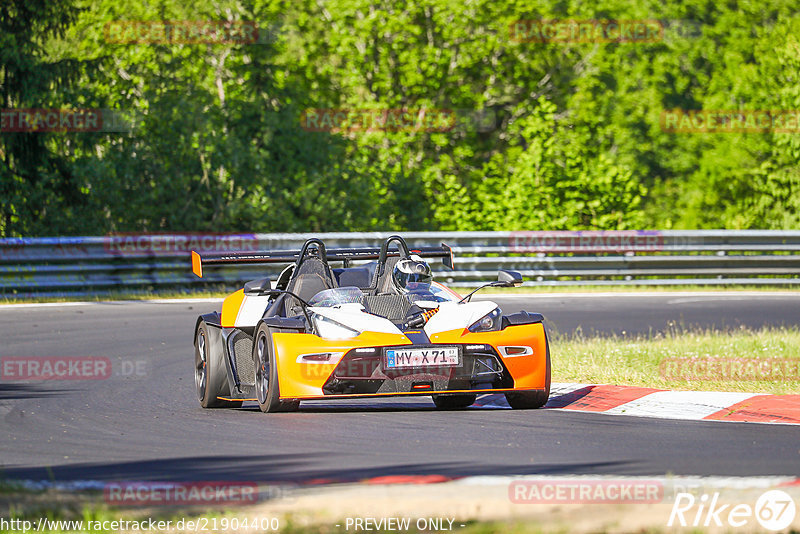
<point x="644" y="294"/>
<point x="105" y="302"/>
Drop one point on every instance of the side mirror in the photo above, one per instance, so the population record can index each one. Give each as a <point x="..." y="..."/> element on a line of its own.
<point x="509" y="278"/>
<point x="258" y="287"/>
<point x="504" y="279"/>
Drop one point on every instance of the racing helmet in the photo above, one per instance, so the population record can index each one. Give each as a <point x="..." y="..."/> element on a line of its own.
<point x="411" y="272"/>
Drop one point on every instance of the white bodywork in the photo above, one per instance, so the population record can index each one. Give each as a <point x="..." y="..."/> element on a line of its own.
<point x="353" y="316"/>
<point x="451" y="316"/>
<point x="251" y="311"/>
<point x="455" y="316"/>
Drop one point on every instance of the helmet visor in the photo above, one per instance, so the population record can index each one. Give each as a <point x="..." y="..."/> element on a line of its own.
<point x="412" y="274"/>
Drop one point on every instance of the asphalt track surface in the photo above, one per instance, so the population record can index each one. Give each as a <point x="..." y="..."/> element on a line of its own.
<point x="144" y="423"/>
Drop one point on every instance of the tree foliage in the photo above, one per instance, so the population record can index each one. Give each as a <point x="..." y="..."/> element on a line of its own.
<point x="550" y="135"/>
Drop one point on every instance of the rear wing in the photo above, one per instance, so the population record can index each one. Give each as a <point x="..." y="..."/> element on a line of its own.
<point x="336" y="254"/>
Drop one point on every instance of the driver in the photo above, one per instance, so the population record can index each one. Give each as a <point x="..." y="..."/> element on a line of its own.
<point x="411" y="274"/>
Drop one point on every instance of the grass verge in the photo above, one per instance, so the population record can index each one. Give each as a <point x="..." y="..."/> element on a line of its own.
<point x="533" y="289"/>
<point x="756" y="361"/>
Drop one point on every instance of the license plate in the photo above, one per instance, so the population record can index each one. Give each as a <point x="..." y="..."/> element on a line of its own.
<point x="429" y="356"/>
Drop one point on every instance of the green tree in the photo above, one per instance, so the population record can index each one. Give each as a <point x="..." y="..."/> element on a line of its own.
<point x="39" y="188"/>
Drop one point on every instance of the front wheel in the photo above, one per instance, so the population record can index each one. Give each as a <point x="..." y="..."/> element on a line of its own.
<point x="210" y="379"/>
<point x="454" y="402"/>
<point x="527" y="400"/>
<point x="267" y="388"/>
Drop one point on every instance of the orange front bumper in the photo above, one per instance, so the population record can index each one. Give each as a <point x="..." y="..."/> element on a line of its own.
<point x="299" y="380"/>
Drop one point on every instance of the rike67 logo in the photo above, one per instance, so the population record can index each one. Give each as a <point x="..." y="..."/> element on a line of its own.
<point x="774" y="510"/>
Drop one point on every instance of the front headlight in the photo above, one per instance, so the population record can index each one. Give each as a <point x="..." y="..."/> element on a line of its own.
<point x="489" y="322"/>
<point x="330" y="329"/>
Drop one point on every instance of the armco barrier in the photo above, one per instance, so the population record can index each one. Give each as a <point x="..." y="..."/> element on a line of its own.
<point x="152" y="262"/>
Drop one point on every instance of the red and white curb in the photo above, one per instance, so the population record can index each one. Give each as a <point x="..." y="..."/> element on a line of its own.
<point x="649" y="402"/>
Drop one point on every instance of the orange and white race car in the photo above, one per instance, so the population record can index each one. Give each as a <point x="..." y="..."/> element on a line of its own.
<point x="376" y="326"/>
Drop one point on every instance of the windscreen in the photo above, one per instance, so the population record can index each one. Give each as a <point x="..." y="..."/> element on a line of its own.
<point x="333" y="297"/>
<point x="432" y="292"/>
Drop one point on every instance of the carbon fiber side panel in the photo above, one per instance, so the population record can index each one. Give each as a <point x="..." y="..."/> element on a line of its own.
<point x="242" y="346"/>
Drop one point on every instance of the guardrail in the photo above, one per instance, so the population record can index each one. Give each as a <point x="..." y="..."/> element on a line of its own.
<point x="153" y="262"/>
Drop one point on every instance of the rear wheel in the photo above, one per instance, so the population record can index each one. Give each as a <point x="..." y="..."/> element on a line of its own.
<point x="210" y="379"/>
<point x="454" y="402"/>
<point x="527" y="400"/>
<point x="267" y="388"/>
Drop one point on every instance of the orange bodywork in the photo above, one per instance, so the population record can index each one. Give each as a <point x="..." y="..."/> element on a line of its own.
<point x="527" y="371"/>
<point x="298" y="380"/>
<point x="197" y="264"/>
<point x="305" y="380"/>
<point x="230" y="308"/>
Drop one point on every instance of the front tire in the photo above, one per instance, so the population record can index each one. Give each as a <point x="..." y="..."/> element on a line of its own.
<point x="210" y="378"/>
<point x="529" y="400"/>
<point x="454" y="402"/>
<point x="267" y="387"/>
